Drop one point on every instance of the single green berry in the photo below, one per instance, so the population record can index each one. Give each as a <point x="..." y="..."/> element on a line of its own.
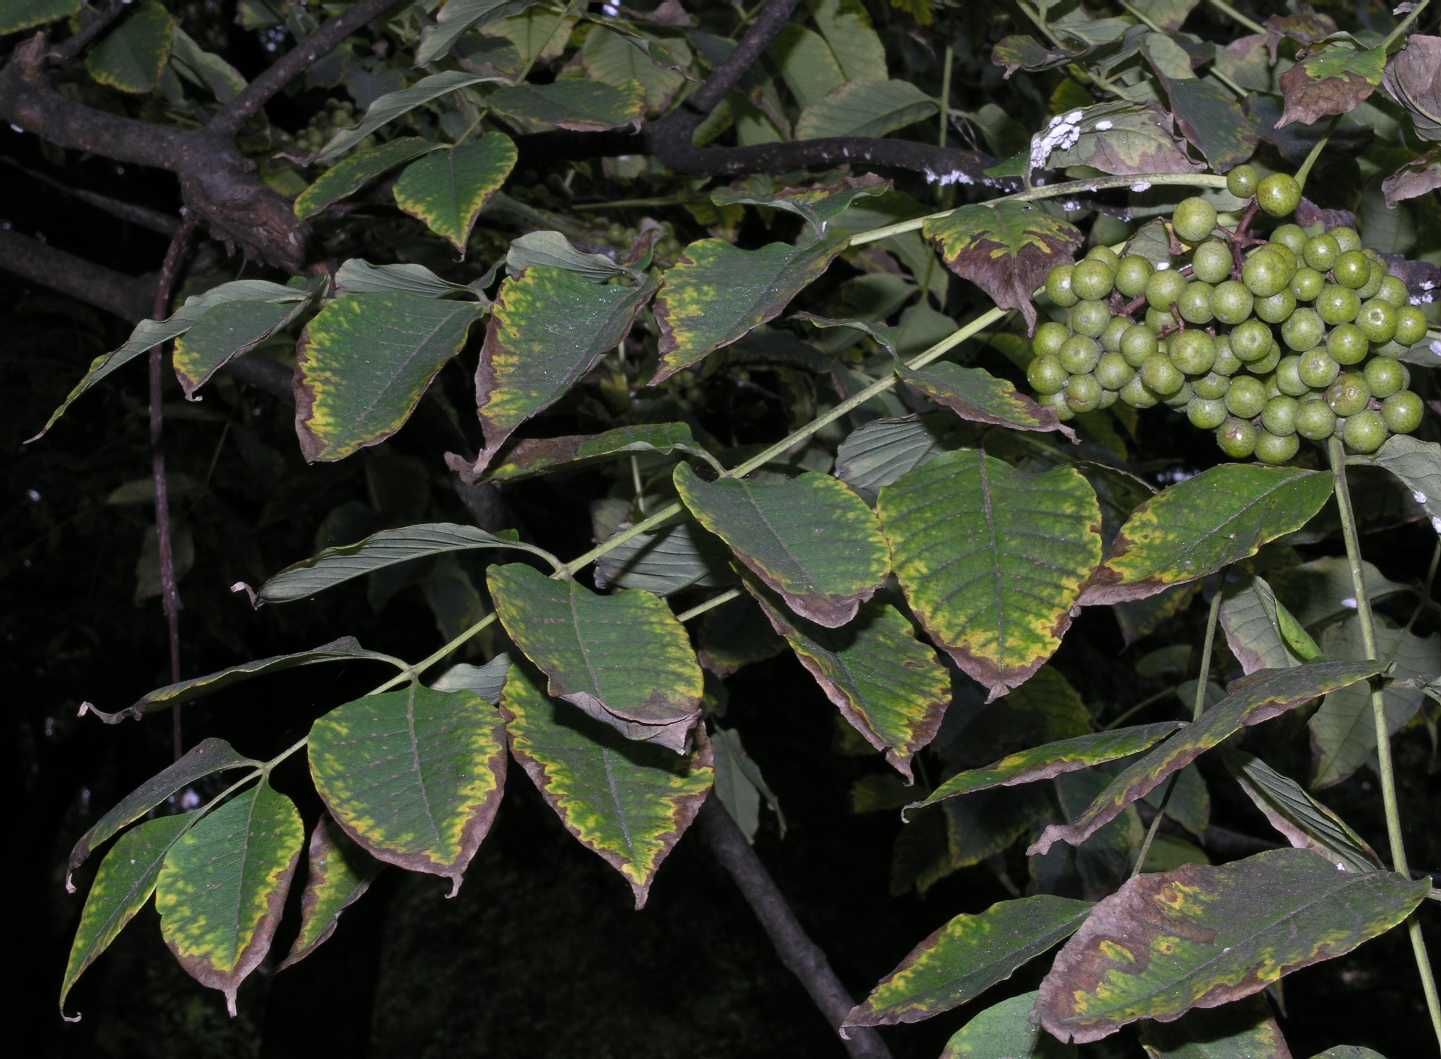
<point x="1163" y="288"/>
<point x="1241" y="181"/>
<point x="1237" y="438"/>
<point x="1113" y="372"/>
<point x="1132" y="274"/>
<point x="1157" y="320"/>
<point x="1083" y="393"/>
<point x="1374" y="279"/>
<point x="1349" y="394"/>
<point x="1307" y="283"/>
<point x="1212" y="261"/>
<point x="1112" y="335"/>
<point x="1211" y="386"/>
<point x="1274" y="449"/>
<point x="1288" y="377"/>
<point x="1385" y="376"/>
<point x="1251" y="341"/>
<point x="1279" y="415"/>
<point x="1352" y="269"/>
<point x="1402" y="412"/>
<point x="1337" y="304"/>
<point x="1303" y="330"/>
<point x="1365" y="432"/>
<point x="1105" y="255"/>
<point x="1231" y="302"/>
<point x="1092" y="280"/>
<point x="1291" y="236"/>
<point x="1138" y="343"/>
<point x="1193" y="351"/>
<point x="1195" y="303"/>
<point x="1278" y="194"/>
<point x="1080" y="354"/>
<point x="1050" y="337"/>
<point x="1377" y="320"/>
<point x="1275" y="309"/>
<point x="1246" y="397"/>
<point x="1161" y="376"/>
<point x="1194" y="219"/>
<point x="1318" y="369"/>
<point x="1265" y="274"/>
<point x="1410" y="325"/>
<point x="1206" y="414"/>
<point x="1056" y="402"/>
<point x="1346" y="238"/>
<point x="1046" y="374"/>
<point x="1227" y="363"/>
<point x="1315" y="421"/>
<point x="1347" y="344"/>
<point x="1321" y="252"/>
<point x="1089" y="318"/>
<point x="1058" y="287"/>
<point x="1266" y="364"/>
<point x="1394" y="291"/>
<point x="1135" y="394"/>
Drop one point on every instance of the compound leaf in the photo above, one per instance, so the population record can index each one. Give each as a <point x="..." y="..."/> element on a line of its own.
<point x="808" y="538"/>
<point x="628" y="802"/>
<point x="992" y="560"/>
<point x="223" y="885"/>
<point x="1201" y="937"/>
<point x="1200" y="525"/>
<point x="967" y="956"/>
<point x="413" y="776"/>
<point x="364" y="363"/>
<point x="337" y="875"/>
<point x="622" y="658"/>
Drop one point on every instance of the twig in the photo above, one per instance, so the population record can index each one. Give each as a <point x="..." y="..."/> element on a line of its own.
<point x="802" y="956"/>
<point x="169" y="588"/>
<point x="143" y="216"/>
<point x="73" y="45"/>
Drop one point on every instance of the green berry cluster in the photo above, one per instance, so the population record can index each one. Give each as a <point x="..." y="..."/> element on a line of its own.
<point x="1263" y="341"/>
<point x="337" y="114"/>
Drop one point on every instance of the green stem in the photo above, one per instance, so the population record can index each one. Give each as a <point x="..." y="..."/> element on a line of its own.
<point x="1051" y="191"/>
<point x="1131" y="711"/>
<point x="1315" y="153"/>
<point x="1385" y="765"/>
<point x="710" y="604"/>
<point x="1404" y="25"/>
<point x="1236" y="16"/>
<point x="1197" y="706"/>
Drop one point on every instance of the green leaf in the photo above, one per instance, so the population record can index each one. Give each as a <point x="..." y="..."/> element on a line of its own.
<point x="1330" y="81"/>
<point x="205" y="68"/>
<point x="818" y="204"/>
<point x="363" y="364"/>
<point x="357" y="276"/>
<point x="337" y="875"/>
<point x="847" y="28"/>
<point x="392" y="105"/>
<point x="150" y="333"/>
<point x="529" y="458"/>
<point x="1202" y="936"/>
<point x="1348" y="1051"/>
<point x="620" y="61"/>
<point x="1417" y="464"/>
<point x="548" y="329"/>
<point x="977" y="396"/>
<point x="554" y="250"/>
<point x="1021" y="51"/>
<point x="992" y="560"/>
<point x="1343" y="729"/>
<point x="865" y="108"/>
<point x="225" y="332"/>
<point x="739" y="783"/>
<point x="347" y="177"/>
<point x="1305" y="822"/>
<point x="204" y="759"/>
<point x="1201" y="525"/>
<point x="345" y="649"/>
<point x="716" y="293"/>
<point x="570" y="103"/>
<point x="808" y="538"/>
<point x="1322" y="590"/>
<point x="1005" y="1029"/>
<point x="454" y="19"/>
<point x="1117" y="138"/>
<point x="334" y="566"/>
<point x="1244" y="1028"/>
<point x="967" y="956"/>
<point x="627" y="802"/>
<point x="884" y="449"/>
<point x="123" y="884"/>
<point x="807" y="65"/>
<point x="485" y="681"/>
<point x="1053" y="759"/>
<point x="1260" y="630"/>
<point x="1259" y="697"/>
<point x="890" y="686"/>
<point x="447" y="189"/>
<point x="622" y="658"/>
<point x="16" y="15"/>
<point x="666" y="561"/>
<point x="1210" y="116"/>
<point x="414" y="776"/>
<point x="1244" y="60"/>
<point x="1006" y="249"/>
<point x="132" y="56"/>
<point x="1168" y="14"/>
<point x="223" y="885"/>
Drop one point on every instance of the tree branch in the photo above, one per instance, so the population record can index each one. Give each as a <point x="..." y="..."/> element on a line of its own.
<point x="761" y="34"/>
<point x="295" y="62"/>
<point x="154" y="220"/>
<point x="802" y="956"/>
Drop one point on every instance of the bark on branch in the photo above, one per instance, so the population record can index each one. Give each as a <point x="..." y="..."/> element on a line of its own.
<point x="802" y="956"/>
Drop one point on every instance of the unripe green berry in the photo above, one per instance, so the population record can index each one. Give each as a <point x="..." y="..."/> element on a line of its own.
<point x="1083" y="393"/>
<point x="1080" y="354"/>
<point x="1251" y="341"/>
<point x="1349" y="394"/>
<point x="1290" y="236"/>
<point x="1089" y="318"/>
<point x="1275" y="309"/>
<point x="1246" y="397"/>
<point x="1115" y="330"/>
<point x="1161" y="376"/>
<point x="1377" y="320"/>
<point x="1365" y="432"/>
<point x="1303" y="330"/>
<point x="1113" y="372"/>
<point x="1212" y="261"/>
<point x="1195" y="303"/>
<point x="1288" y="377"/>
<point x="1394" y="292"/>
<point x="1321" y="252"/>
<point x="1265" y="274"/>
<point x="1194" y="218"/>
<point x="1231" y="302"/>
<point x="1163" y="288"/>
<point x="1318" y="369"/>
<point x="1211" y="386"/>
<point x="1092" y="280"/>
<point x="1347" y="344"/>
<point x="1135" y="394"/>
<point x="1276" y="450"/>
<point x="1278" y="194"/>
<point x="1315" y="421"/>
<point x="1346" y="238"/>
<point x="1237" y="438"/>
<point x="1352" y="269"/>
<point x="1058" y="287"/>
<point x="1307" y="283"/>
<point x="1385" y="376"/>
<point x="1206" y="414"/>
<point x="1193" y="351"/>
<point x="1050" y="337"/>
<point x="1046" y="374"/>
<point x="1402" y="412"/>
<point x="1138" y="343"/>
<point x="1132" y="274"/>
<point x="1105" y="255"/>
<point x="1410" y="325"/>
<point x="1279" y="415"/>
<point x="1242" y="180"/>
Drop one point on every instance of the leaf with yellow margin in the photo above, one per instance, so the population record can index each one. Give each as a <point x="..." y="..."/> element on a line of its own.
<point x="347" y="177"/>
<point x="628" y="802"/>
<point x="413" y="776"/>
<point x="132" y="56"/>
<point x="338" y="873"/>
<point x="809" y="538"/>
<point x="447" y="189"/>
<point x="992" y="559"/>
<point x="223" y="886"/>
<point x="967" y="956"/>
<point x="572" y="103"/>
<point x="364" y="363"/>
<point x="22" y="14"/>
<point x="622" y="658"/>
<point x="1200" y="936"/>
<point x="1203" y="524"/>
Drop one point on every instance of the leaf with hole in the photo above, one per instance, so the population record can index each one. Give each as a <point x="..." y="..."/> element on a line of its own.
<point x="716" y="293"/>
<point x="205" y="758"/>
<point x="622" y="658"/>
<point x="809" y="538"/>
<point x="223" y="886"/>
<point x="967" y="956"/>
<point x="337" y="875"/>
<point x="1201" y="936"/>
<point x="363" y="364"/>
<point x="122" y="886"/>
<point x="1203" y="524"/>
<point x="628" y="802"/>
<point x="1006" y="249"/>
<point x="413" y="776"/>
<point x="446" y="189"/>
<point x="1259" y="697"/>
<point x="890" y="686"/>
<point x="992" y="559"/>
